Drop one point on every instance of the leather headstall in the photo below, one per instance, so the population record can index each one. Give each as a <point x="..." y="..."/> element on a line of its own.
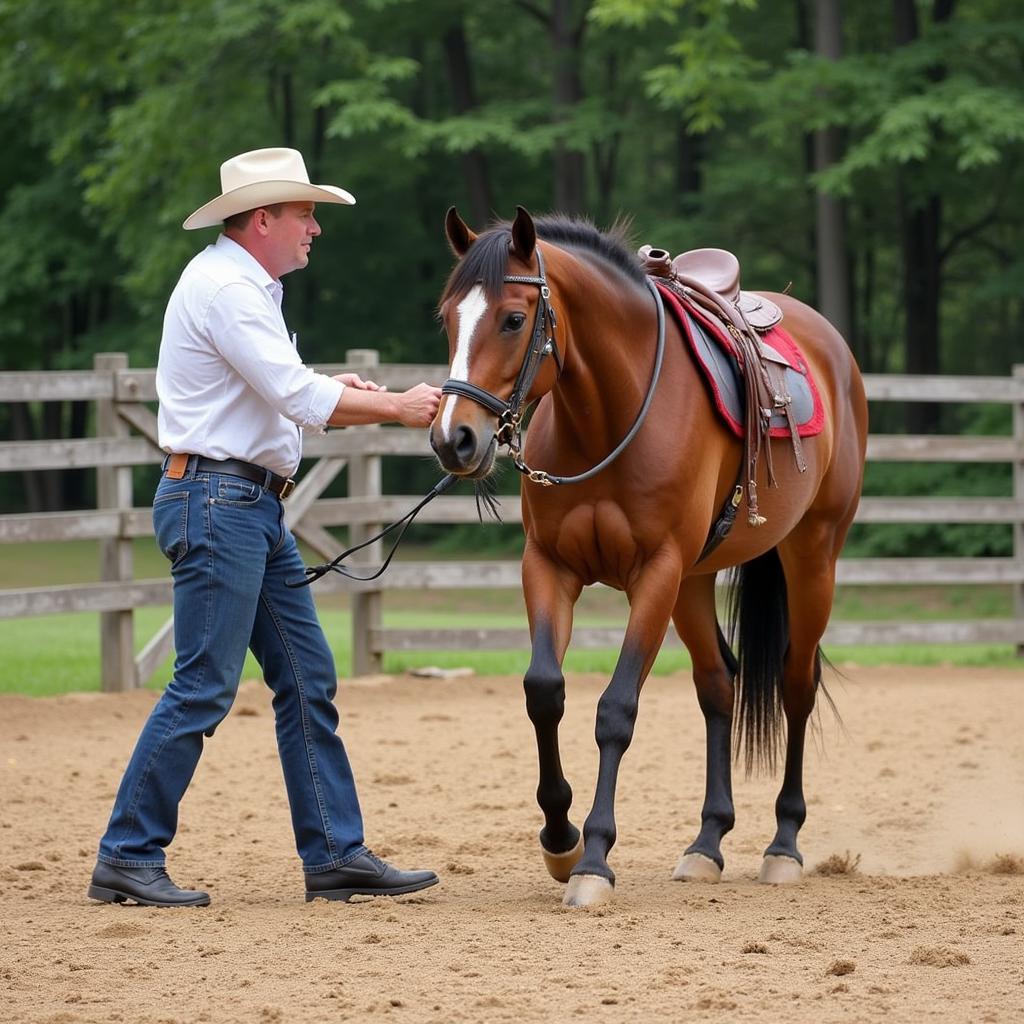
<point x="542" y="344"/>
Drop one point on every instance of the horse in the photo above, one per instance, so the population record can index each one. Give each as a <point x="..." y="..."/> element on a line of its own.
<point x="639" y="521"/>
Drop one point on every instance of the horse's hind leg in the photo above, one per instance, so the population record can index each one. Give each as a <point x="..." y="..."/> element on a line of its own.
<point x="550" y="597"/>
<point x="714" y="669"/>
<point x="808" y="561"/>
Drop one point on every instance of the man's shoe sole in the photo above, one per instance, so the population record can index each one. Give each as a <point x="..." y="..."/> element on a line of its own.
<point x="105" y="895"/>
<point x="344" y="895"/>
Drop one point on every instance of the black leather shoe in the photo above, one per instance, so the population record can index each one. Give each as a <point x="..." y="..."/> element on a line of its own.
<point x="149" y="886"/>
<point x="367" y="875"/>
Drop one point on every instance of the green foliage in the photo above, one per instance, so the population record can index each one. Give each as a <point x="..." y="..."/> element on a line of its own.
<point x="709" y="78"/>
<point x="935" y="480"/>
<point x="692" y="118"/>
<point x="122" y="113"/>
<point x="934" y="540"/>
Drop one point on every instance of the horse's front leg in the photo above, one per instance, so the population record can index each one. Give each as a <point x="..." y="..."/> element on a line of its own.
<point x="651" y="601"/>
<point x="550" y="596"/>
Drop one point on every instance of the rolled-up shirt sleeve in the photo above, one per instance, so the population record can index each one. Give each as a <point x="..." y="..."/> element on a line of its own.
<point x="253" y="340"/>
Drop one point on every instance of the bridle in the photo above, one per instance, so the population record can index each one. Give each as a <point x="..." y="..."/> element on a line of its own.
<point x="510" y="412"/>
<point x="542" y="344"/>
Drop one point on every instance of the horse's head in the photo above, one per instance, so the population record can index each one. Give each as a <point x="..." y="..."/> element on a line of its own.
<point x="501" y="342"/>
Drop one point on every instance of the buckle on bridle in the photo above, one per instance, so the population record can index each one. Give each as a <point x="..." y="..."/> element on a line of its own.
<point x="508" y="428"/>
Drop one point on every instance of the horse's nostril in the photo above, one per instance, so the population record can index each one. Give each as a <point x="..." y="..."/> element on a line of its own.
<point x="464" y="443"/>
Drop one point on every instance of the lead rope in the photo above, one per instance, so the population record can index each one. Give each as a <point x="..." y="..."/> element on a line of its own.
<point x="314" y="572"/>
<point x="511" y="427"/>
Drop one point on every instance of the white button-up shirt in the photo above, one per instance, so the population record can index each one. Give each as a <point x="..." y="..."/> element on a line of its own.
<point x="230" y="381"/>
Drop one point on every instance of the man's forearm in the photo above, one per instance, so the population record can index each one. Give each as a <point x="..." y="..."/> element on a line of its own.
<point x="357" y="407"/>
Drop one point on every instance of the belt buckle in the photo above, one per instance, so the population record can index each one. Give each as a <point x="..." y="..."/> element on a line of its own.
<point x="287" y="488"/>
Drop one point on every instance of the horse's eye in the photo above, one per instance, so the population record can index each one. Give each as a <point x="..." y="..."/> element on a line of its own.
<point x="513" y="322"/>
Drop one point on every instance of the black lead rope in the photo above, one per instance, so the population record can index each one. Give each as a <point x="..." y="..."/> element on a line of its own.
<point x="315" y="572"/>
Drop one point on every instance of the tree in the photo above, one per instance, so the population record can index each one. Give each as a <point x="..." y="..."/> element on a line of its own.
<point x="693" y="118"/>
<point x="833" y="264"/>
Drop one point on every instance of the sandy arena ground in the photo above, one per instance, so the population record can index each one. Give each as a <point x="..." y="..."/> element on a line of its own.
<point x="926" y="787"/>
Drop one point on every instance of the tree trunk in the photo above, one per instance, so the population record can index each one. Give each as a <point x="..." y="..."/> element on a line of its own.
<point x="288" y="110"/>
<point x="606" y="155"/>
<point x="314" y="158"/>
<point x="689" y="176"/>
<point x="864" y="348"/>
<point x="832" y="256"/>
<point x="921" y="227"/>
<point x="23" y="429"/>
<point x="569" y="167"/>
<point x="474" y="163"/>
<point x="426" y="210"/>
<point x="75" y="479"/>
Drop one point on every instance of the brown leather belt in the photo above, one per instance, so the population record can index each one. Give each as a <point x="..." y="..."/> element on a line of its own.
<point x="176" y="465"/>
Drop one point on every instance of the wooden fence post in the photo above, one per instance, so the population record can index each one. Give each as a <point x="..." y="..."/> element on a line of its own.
<point x="114" y="491"/>
<point x="1018" y="494"/>
<point x="364" y="481"/>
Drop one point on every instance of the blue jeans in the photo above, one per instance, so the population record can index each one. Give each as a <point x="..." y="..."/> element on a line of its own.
<point x="230" y="554"/>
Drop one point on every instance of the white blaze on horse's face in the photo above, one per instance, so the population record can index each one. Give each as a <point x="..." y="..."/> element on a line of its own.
<point x="469" y="312"/>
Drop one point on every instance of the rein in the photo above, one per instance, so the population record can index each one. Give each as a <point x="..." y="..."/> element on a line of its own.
<point x="510" y="412"/>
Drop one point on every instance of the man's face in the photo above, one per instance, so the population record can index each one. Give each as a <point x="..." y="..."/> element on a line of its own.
<point x="290" y="236"/>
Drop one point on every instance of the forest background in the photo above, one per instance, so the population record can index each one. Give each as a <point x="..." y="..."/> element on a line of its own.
<point x="870" y="153"/>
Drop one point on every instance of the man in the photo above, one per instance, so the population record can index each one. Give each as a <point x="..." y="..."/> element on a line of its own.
<point x="233" y="396"/>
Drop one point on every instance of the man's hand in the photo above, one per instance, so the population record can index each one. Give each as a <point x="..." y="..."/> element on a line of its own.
<point x="418" y="406"/>
<point x="353" y="380"/>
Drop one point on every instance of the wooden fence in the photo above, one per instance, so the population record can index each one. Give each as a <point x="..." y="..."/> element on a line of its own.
<point x="126" y="437"/>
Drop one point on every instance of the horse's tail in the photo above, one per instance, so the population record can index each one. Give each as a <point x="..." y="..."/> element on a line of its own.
<point x="759" y="634"/>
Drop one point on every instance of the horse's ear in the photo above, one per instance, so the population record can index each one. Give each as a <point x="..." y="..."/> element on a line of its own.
<point x="460" y="237"/>
<point x="524" y="235"/>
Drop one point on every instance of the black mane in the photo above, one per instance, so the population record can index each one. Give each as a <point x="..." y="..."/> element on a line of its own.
<point x="486" y="260"/>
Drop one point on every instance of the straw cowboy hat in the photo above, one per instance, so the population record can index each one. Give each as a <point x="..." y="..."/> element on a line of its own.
<point x="260" y="178"/>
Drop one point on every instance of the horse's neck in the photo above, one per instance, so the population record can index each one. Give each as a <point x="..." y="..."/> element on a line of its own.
<point x="612" y="328"/>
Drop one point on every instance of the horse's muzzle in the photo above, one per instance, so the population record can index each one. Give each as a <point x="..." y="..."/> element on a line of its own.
<point x="465" y="453"/>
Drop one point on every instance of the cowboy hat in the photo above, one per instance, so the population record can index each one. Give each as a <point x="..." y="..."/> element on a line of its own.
<point x="263" y="177"/>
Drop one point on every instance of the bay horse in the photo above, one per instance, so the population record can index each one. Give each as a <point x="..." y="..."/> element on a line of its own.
<point x="640" y="523"/>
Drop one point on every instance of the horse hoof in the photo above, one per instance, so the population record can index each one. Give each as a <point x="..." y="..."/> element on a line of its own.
<point x="695" y="867"/>
<point x="560" y="864"/>
<point x="588" y="891"/>
<point x="776" y="870"/>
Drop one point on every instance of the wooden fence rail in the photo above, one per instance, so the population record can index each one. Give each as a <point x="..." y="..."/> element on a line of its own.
<point x="126" y="437"/>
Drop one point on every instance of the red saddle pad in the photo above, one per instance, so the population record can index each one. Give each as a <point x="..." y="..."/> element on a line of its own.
<point x="714" y="352"/>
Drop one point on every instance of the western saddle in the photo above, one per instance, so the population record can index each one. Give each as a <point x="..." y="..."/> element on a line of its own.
<point x="710" y="279"/>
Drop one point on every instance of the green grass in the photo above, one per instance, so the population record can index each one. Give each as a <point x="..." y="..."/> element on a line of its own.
<point x="60" y="653"/>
